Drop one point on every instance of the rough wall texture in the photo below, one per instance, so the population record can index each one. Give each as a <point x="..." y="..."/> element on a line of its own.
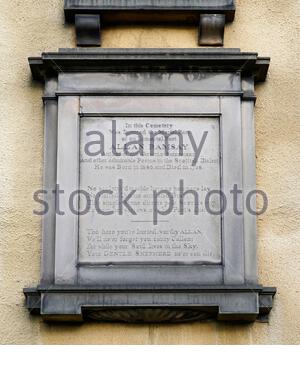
<point x="269" y="27"/>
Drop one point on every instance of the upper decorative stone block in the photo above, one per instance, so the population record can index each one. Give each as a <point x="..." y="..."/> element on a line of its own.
<point x="89" y="15"/>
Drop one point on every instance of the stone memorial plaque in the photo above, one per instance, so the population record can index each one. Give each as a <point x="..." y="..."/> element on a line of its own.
<point x="138" y="146"/>
<point x="165" y="219"/>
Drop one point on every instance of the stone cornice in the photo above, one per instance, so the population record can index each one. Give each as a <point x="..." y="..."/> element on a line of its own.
<point x="149" y="60"/>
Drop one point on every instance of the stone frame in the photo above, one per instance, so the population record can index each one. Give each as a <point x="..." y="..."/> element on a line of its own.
<point x="79" y="82"/>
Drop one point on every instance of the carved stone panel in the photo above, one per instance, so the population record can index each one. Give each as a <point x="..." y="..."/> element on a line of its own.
<point x="162" y="179"/>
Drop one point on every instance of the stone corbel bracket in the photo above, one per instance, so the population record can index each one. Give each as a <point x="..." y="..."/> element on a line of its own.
<point x="90" y="15"/>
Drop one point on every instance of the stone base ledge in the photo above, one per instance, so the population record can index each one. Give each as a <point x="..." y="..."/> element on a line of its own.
<point x="243" y="304"/>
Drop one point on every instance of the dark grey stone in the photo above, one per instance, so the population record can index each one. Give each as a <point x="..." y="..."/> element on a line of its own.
<point x="87" y="30"/>
<point x="211" y="32"/>
<point x="150" y="10"/>
<point x="214" y="14"/>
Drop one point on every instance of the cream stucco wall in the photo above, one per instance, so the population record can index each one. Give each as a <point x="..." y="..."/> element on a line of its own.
<point x="269" y="27"/>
